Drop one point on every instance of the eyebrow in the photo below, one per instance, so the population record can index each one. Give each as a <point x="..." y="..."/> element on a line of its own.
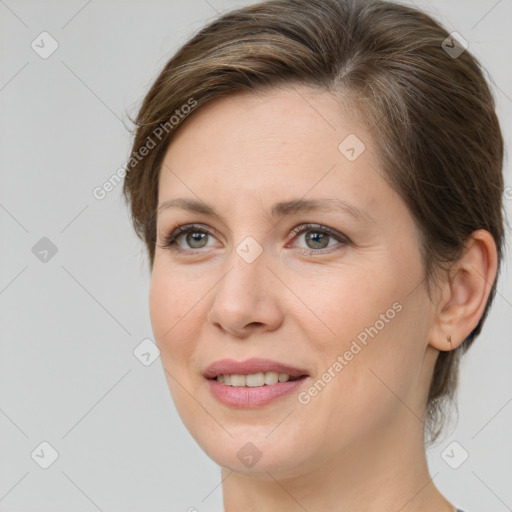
<point x="281" y="209"/>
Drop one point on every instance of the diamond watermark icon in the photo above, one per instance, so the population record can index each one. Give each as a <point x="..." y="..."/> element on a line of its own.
<point x="146" y="352"/>
<point x="454" y="45"/>
<point x="351" y="147"/>
<point x="249" y="249"/>
<point x="249" y="454"/>
<point x="44" y="455"/>
<point x="44" y="45"/>
<point x="454" y="455"/>
<point x="44" y="250"/>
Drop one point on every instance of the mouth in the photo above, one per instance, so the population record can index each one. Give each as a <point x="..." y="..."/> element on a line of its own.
<point x="256" y="380"/>
<point x="252" y="383"/>
<point x="253" y="372"/>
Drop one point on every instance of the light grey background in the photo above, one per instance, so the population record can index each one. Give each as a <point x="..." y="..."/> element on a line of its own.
<point x="68" y="375"/>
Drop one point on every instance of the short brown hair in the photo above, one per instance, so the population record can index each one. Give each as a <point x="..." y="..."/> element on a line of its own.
<point x="431" y="114"/>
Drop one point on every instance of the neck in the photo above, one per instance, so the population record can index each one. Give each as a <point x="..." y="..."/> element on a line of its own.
<point x="385" y="472"/>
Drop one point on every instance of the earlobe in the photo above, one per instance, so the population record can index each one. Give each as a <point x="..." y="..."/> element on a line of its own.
<point x="443" y="342"/>
<point x="465" y="292"/>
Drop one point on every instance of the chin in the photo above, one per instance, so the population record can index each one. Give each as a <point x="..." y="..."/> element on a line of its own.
<point x="253" y="451"/>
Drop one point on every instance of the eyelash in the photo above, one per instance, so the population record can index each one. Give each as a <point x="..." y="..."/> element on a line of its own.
<point x="170" y="241"/>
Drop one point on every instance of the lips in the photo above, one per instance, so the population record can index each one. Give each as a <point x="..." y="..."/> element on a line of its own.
<point x="251" y="366"/>
<point x="253" y="393"/>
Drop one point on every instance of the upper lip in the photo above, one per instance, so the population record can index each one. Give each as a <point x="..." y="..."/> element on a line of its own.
<point x="254" y="365"/>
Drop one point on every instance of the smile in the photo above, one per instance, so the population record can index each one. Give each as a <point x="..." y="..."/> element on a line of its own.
<point x="252" y="383"/>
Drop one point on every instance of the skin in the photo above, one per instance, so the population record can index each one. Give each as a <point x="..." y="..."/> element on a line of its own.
<point x="358" y="444"/>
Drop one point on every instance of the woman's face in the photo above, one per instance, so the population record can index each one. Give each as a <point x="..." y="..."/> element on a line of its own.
<point x="332" y="290"/>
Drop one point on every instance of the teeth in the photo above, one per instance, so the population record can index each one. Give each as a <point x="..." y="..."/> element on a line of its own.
<point x="237" y="380"/>
<point x="253" y="380"/>
<point x="271" y="378"/>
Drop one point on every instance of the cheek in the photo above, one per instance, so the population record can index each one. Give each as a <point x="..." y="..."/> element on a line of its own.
<point x="344" y="304"/>
<point x="380" y="336"/>
<point x="172" y="314"/>
<point x="382" y="362"/>
<point x="163" y="306"/>
<point x="172" y="318"/>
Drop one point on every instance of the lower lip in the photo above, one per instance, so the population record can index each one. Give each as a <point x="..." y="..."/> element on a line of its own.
<point x="246" y="397"/>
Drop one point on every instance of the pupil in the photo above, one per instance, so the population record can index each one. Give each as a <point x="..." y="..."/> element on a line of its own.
<point x="316" y="239"/>
<point x="194" y="237"/>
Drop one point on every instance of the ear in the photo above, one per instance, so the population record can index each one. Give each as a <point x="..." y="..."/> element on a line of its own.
<point x="465" y="291"/>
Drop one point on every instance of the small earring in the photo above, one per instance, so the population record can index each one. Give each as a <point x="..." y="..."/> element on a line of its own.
<point x="450" y="341"/>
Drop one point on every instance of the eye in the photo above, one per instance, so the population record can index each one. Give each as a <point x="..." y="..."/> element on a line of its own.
<point x="317" y="237"/>
<point x="194" y="235"/>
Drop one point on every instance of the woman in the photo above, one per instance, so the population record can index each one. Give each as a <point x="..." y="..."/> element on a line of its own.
<point x="319" y="186"/>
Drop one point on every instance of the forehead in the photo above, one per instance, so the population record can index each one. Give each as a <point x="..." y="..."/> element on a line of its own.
<point x="275" y="145"/>
<point x="274" y="117"/>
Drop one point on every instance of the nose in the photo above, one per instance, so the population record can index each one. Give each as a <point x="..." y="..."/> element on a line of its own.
<point x="247" y="299"/>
